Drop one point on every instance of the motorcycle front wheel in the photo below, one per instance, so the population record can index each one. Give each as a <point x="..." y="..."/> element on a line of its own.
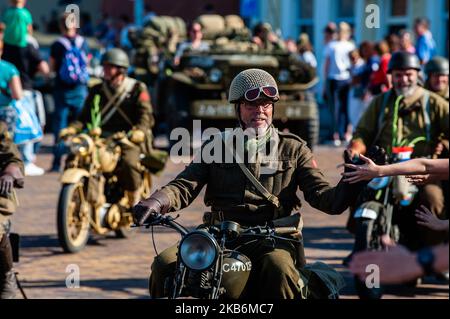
<point x="363" y="241"/>
<point x="73" y="218"/>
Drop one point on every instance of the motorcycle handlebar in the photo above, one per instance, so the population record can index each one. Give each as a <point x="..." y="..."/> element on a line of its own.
<point x="166" y="220"/>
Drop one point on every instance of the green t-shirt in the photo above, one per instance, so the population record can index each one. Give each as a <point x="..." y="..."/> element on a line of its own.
<point x="16" y="21"/>
<point x="7" y="72"/>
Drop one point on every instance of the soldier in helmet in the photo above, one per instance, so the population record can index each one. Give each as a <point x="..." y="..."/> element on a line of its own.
<point x="265" y="38"/>
<point x="11" y="175"/>
<point x="124" y="107"/>
<point x="253" y="193"/>
<point x="436" y="71"/>
<point x="422" y="116"/>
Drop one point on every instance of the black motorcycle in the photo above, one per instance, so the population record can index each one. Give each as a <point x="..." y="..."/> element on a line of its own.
<point x="206" y="268"/>
<point x="384" y="201"/>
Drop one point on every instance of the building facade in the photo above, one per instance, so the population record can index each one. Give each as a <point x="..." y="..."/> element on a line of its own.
<point x="291" y="17"/>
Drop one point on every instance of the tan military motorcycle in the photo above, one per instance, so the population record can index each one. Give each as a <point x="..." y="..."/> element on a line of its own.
<point x="91" y="197"/>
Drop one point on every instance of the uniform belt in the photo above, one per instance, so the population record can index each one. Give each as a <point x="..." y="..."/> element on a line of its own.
<point x="246" y="215"/>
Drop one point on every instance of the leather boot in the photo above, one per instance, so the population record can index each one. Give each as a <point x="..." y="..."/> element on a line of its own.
<point x="8" y="283"/>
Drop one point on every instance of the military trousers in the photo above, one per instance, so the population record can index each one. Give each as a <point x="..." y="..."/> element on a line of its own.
<point x="128" y="172"/>
<point x="6" y="261"/>
<point x="273" y="275"/>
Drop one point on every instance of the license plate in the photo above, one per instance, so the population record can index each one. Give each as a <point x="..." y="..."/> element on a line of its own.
<point x="213" y="110"/>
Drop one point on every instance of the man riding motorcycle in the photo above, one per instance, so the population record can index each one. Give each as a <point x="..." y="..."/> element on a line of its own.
<point x="124" y="106"/>
<point x="11" y="175"/>
<point x="421" y="121"/>
<point x="258" y="193"/>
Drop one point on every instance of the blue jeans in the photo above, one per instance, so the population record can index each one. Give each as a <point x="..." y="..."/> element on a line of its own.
<point x="337" y="96"/>
<point x="68" y="105"/>
<point x="27" y="152"/>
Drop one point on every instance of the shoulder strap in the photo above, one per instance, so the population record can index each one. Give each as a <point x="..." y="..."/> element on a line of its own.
<point x="65" y="42"/>
<point x="68" y="45"/>
<point x="129" y="85"/>
<point x="267" y="195"/>
<point x="79" y="41"/>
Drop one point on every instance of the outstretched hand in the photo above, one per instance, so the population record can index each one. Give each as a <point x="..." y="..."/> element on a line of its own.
<point x="426" y="218"/>
<point x="364" y="172"/>
<point x="363" y="168"/>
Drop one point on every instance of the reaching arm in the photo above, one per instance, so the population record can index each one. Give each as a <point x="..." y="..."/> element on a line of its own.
<point x="418" y="166"/>
<point x="398" y="265"/>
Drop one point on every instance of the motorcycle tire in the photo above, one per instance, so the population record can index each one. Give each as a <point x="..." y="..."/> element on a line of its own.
<point x="71" y="242"/>
<point x="363" y="237"/>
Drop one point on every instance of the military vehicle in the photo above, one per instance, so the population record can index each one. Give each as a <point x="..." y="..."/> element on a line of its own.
<point x="198" y="87"/>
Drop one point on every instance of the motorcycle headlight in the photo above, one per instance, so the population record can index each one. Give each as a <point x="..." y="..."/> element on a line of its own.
<point x="215" y="75"/>
<point x="81" y="145"/>
<point x="198" y="250"/>
<point x="283" y="76"/>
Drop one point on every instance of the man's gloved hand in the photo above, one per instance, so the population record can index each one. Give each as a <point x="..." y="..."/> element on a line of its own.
<point x="375" y="153"/>
<point x="11" y="177"/>
<point x="378" y="155"/>
<point x="137" y="136"/>
<point x="158" y="203"/>
<point x="6" y="184"/>
<point x="66" y="132"/>
<point x="347" y="192"/>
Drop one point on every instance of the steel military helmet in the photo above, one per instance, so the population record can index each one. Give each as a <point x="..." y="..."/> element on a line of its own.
<point x="403" y="60"/>
<point x="116" y="57"/>
<point x="251" y="84"/>
<point x="437" y="65"/>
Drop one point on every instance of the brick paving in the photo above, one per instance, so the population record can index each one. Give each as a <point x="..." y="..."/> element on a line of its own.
<point x="119" y="268"/>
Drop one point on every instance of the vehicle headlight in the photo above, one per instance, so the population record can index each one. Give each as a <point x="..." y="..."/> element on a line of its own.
<point x="80" y="146"/>
<point x="198" y="250"/>
<point x="215" y="75"/>
<point x="283" y="76"/>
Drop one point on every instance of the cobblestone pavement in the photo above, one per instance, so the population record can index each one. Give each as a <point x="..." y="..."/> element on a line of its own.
<point x="119" y="268"/>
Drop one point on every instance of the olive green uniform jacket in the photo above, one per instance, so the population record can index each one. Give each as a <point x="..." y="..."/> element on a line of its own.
<point x="136" y="107"/>
<point x="230" y="192"/>
<point x="411" y="122"/>
<point x="8" y="155"/>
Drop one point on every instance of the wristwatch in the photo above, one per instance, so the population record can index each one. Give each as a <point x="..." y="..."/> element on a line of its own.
<point x="425" y="258"/>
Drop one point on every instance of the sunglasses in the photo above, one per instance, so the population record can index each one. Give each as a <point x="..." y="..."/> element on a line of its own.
<point x="253" y="94"/>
